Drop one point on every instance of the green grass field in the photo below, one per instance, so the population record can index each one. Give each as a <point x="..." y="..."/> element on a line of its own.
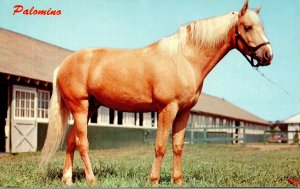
<point x="204" y="166"/>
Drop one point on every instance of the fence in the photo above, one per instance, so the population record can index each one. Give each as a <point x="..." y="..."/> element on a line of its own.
<point x="206" y="135"/>
<point x="117" y="136"/>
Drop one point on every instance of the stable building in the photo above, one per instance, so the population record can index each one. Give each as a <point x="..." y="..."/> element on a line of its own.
<point x="26" y="71"/>
<point x="291" y="128"/>
<point x="220" y="117"/>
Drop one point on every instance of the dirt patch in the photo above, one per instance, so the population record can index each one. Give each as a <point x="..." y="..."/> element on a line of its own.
<point x="272" y="147"/>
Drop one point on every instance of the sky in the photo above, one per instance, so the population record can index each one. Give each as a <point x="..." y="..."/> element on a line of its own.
<point x="138" y="23"/>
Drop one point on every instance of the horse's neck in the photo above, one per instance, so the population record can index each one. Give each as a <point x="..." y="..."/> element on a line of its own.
<point x="207" y="42"/>
<point x="203" y="43"/>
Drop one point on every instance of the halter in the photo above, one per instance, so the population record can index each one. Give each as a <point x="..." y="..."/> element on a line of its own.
<point x="250" y="48"/>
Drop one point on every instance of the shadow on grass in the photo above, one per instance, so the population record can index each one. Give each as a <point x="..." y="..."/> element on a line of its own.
<point x="138" y="173"/>
<point x="54" y="173"/>
<point x="78" y="174"/>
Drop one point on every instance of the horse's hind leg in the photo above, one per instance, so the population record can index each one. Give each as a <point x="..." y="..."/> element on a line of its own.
<point x="70" y="148"/>
<point x="80" y="112"/>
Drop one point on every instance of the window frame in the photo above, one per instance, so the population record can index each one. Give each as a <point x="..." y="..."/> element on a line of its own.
<point x="14" y="102"/>
<point x="42" y="101"/>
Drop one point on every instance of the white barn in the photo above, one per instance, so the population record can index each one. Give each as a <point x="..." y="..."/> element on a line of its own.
<point x="292" y="126"/>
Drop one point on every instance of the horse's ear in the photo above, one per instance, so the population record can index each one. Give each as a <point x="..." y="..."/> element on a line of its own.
<point x="257" y="10"/>
<point x="244" y="9"/>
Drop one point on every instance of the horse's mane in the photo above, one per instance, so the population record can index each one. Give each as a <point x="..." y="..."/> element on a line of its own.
<point x="208" y="33"/>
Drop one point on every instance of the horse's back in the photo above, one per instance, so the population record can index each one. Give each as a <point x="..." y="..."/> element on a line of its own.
<point x="121" y="79"/>
<point x="114" y="77"/>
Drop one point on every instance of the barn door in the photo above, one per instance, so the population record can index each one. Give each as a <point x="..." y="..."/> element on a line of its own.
<point x="24" y="127"/>
<point x="3" y="117"/>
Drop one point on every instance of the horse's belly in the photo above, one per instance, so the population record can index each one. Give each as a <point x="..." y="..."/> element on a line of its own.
<point x="122" y="98"/>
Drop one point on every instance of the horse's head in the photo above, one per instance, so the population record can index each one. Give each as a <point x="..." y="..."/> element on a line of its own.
<point x="250" y="37"/>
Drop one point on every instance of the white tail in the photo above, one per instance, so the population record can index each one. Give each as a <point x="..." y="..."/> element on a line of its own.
<point x="58" y="123"/>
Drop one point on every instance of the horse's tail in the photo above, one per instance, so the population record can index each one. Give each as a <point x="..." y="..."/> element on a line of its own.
<point x="58" y="123"/>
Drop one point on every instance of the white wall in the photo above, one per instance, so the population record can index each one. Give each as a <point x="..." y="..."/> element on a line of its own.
<point x="293" y="127"/>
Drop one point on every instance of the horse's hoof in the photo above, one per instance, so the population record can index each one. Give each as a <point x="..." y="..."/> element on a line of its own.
<point x="92" y="180"/>
<point x="177" y="182"/>
<point x="67" y="181"/>
<point x="154" y="182"/>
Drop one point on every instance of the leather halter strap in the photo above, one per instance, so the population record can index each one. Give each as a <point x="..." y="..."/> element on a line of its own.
<point x="251" y="49"/>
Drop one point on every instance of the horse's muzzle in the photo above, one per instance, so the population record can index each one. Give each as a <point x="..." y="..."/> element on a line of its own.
<point x="265" y="59"/>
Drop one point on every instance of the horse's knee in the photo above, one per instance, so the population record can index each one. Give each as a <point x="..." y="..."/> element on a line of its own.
<point x="178" y="149"/>
<point x="160" y="151"/>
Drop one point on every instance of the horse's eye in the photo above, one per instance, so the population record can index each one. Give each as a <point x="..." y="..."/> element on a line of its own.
<point x="247" y="28"/>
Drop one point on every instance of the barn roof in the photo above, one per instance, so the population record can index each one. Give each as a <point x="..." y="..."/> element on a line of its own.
<point x="293" y="119"/>
<point x="27" y="57"/>
<point x="208" y="104"/>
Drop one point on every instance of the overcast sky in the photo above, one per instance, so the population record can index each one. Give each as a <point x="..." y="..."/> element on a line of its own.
<point x="137" y="23"/>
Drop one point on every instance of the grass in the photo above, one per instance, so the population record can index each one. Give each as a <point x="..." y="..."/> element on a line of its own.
<point x="204" y="166"/>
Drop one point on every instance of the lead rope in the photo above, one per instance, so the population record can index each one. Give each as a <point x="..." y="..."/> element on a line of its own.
<point x="277" y="85"/>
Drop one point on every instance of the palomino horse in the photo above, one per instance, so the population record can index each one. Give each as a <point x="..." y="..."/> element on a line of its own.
<point x="166" y="77"/>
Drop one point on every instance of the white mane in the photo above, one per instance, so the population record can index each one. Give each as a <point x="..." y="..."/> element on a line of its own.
<point x="208" y="33"/>
<point x="211" y="32"/>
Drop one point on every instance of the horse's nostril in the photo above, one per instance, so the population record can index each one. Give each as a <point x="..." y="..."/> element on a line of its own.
<point x="267" y="55"/>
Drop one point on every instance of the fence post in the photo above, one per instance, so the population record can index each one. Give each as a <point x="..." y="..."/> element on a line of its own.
<point x="204" y="133"/>
<point x="192" y="137"/>
<point x="244" y="136"/>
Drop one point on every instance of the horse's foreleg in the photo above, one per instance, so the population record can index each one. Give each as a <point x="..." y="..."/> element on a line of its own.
<point x="71" y="146"/>
<point x="177" y="145"/>
<point x="165" y="121"/>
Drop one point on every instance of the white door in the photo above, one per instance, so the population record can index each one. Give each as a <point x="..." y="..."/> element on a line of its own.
<point x="23" y="124"/>
<point x="24" y="137"/>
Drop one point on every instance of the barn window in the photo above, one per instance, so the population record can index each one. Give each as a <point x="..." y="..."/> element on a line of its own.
<point x="43" y="104"/>
<point x="147" y="119"/>
<point x="221" y="122"/>
<point x="103" y="115"/>
<point x="213" y="122"/>
<point x="24" y="103"/>
<point x="209" y="121"/>
<point x="128" y="118"/>
<point x="203" y="121"/>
